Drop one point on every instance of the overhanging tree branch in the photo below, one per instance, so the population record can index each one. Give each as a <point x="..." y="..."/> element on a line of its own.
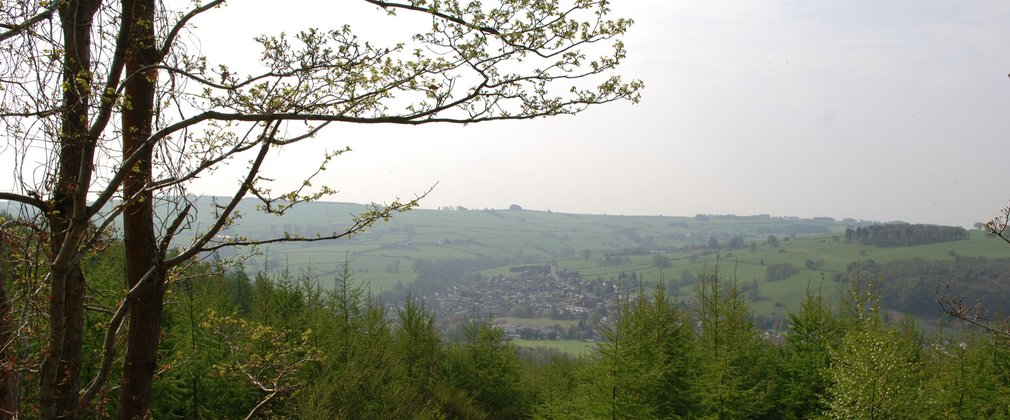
<point x="225" y="216"/>
<point x="434" y="12"/>
<point x="24" y="199"/>
<point x="102" y="60"/>
<point x="166" y="47"/>
<point x="19" y="28"/>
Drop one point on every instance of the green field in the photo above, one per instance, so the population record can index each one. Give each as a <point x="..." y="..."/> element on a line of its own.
<point x="573" y="347"/>
<point x="384" y="255"/>
<point x="538" y="322"/>
<point x="779" y="297"/>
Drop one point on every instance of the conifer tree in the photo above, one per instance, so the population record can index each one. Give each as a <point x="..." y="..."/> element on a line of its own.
<point x="645" y="366"/>
<point x="418" y="346"/>
<point x="486" y="367"/>
<point x="813" y="332"/>
<point x="969" y="375"/>
<point x="735" y="378"/>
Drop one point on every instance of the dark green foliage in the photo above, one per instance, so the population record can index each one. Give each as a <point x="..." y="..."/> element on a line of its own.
<point x="294" y="349"/>
<point x="646" y="367"/>
<point x="487" y="366"/>
<point x="661" y="261"/>
<point x="418" y="345"/>
<point x="779" y="271"/>
<point x="983" y="386"/>
<point x="189" y="389"/>
<point x="736" y="377"/>
<point x="813" y="332"/>
<point x="911" y="285"/>
<point x="365" y="371"/>
<point x="901" y="234"/>
<point x="551" y="379"/>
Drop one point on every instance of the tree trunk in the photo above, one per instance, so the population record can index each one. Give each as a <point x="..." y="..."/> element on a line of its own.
<point x="142" y="254"/>
<point x="70" y="365"/>
<point x="8" y="360"/>
<point x="60" y="375"/>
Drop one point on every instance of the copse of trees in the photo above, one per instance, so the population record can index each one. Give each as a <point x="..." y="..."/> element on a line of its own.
<point x="779" y="271"/>
<point x="661" y="261"/>
<point x="902" y="234"/>
<point x="911" y="286"/>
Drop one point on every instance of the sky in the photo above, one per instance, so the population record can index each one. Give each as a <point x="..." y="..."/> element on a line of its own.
<point x="875" y="110"/>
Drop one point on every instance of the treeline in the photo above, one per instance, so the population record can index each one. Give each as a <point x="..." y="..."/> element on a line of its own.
<point x="902" y="234"/>
<point x="913" y="286"/>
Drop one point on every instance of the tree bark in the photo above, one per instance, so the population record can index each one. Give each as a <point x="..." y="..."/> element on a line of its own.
<point x="142" y="253"/>
<point x="60" y="375"/>
<point x="8" y="359"/>
<point x="70" y="365"/>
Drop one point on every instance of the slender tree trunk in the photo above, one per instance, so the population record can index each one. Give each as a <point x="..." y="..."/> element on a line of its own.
<point x="70" y="365"/>
<point x="142" y="254"/>
<point x="60" y="375"/>
<point x="8" y="359"/>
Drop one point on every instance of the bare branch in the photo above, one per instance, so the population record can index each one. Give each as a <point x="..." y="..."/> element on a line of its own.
<point x="112" y="89"/>
<point x="361" y="223"/>
<point x="222" y="220"/>
<point x="173" y="228"/>
<point x="37" y="114"/>
<point x="997" y="226"/>
<point x="23" y="199"/>
<point x="434" y="12"/>
<point x="974" y="314"/>
<point x="262" y="403"/>
<point x="15" y="30"/>
<point x="174" y="32"/>
<point x="97" y="235"/>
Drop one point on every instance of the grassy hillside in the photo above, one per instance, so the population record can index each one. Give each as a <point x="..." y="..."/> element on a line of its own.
<point x="828" y="256"/>
<point x="384" y="255"/>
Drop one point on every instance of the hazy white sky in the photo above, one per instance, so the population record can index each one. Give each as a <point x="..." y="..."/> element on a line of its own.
<point x="869" y="109"/>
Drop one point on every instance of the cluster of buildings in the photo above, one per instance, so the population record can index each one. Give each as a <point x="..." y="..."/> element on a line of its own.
<point x="529" y="292"/>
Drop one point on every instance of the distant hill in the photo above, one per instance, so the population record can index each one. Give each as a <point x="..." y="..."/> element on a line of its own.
<point x="387" y="251"/>
<point x="774" y="259"/>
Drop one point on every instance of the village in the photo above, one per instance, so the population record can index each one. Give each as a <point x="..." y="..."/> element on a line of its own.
<point x="538" y="293"/>
<point x="540" y="302"/>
